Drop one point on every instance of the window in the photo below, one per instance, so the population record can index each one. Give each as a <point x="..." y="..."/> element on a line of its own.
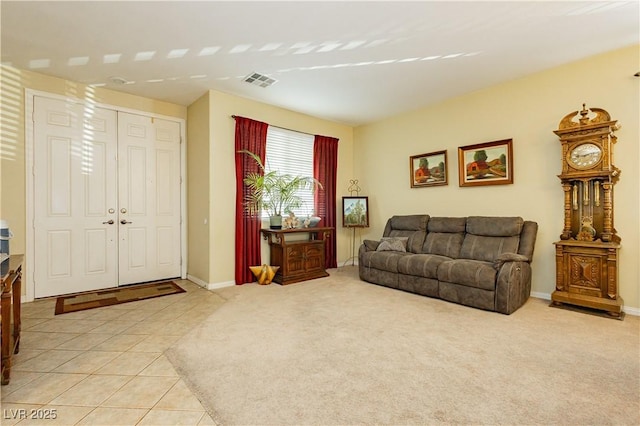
<point x="291" y="152"/>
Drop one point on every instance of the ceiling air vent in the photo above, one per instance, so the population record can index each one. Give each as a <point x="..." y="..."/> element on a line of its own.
<point x="259" y="80"/>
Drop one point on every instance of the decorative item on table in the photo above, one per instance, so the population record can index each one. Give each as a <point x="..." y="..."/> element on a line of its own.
<point x="5" y="236"/>
<point x="311" y="221"/>
<point x="291" y="221"/>
<point x="264" y="274"/>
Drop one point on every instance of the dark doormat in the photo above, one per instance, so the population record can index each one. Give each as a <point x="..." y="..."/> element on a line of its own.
<point x="589" y="311"/>
<point x="115" y="296"/>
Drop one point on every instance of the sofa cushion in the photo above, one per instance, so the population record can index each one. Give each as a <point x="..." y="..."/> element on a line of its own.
<point x="445" y="236"/>
<point x="414" y="245"/>
<point x="383" y="260"/>
<point x="416" y="222"/>
<point x="393" y="244"/>
<point x="489" y="237"/>
<point x="415" y="239"/>
<point x="471" y="273"/>
<point x="412" y="226"/>
<point x="487" y="249"/>
<point x="421" y="265"/>
<point x="447" y="224"/>
<point x="494" y="226"/>
<point x="443" y="244"/>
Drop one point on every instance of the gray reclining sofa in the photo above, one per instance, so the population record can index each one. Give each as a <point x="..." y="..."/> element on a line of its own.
<point x="484" y="262"/>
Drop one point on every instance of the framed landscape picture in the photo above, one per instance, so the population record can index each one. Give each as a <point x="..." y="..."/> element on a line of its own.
<point x="489" y="163"/>
<point x="428" y="169"/>
<point x="355" y="212"/>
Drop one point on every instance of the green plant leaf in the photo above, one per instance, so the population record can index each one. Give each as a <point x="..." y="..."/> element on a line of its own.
<point x="273" y="192"/>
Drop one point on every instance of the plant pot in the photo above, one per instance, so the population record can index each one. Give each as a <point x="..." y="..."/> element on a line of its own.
<point x="275" y="222"/>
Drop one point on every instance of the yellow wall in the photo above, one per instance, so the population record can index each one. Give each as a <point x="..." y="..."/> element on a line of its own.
<point x="198" y="189"/>
<point x="526" y="110"/>
<point x="13" y="83"/>
<point x="222" y="172"/>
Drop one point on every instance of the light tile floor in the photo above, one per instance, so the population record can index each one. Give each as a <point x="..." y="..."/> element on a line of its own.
<point x="105" y="366"/>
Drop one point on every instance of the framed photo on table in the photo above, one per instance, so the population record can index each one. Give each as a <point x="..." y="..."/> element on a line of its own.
<point x="489" y="163"/>
<point x="355" y="212"/>
<point x="428" y="169"/>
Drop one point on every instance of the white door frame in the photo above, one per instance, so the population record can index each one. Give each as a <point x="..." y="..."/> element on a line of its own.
<point x="27" y="274"/>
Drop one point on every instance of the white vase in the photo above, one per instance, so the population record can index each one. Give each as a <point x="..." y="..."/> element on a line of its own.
<point x="275" y="222"/>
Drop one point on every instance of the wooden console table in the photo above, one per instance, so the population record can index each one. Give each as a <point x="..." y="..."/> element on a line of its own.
<point x="299" y="260"/>
<point x="11" y="270"/>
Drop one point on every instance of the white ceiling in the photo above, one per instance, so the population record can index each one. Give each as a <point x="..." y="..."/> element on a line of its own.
<point x="351" y="62"/>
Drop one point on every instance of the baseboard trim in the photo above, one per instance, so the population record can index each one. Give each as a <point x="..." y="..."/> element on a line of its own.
<point x="631" y="311"/>
<point x="539" y="295"/>
<point x="197" y="280"/>
<point x="210" y="286"/>
<point x="627" y="309"/>
<point x="214" y="286"/>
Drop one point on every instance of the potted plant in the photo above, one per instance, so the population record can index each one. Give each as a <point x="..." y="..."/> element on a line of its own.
<point x="275" y="193"/>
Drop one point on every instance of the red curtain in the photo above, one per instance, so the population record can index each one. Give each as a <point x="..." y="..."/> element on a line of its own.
<point x="251" y="135"/>
<point x="325" y="167"/>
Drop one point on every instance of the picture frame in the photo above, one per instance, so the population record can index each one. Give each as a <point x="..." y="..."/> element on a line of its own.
<point x="355" y="212"/>
<point x="489" y="163"/>
<point x="428" y="169"/>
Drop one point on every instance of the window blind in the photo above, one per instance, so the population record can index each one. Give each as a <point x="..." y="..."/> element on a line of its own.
<point x="291" y="152"/>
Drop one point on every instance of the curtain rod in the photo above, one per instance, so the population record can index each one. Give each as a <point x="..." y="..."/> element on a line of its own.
<point x="280" y="127"/>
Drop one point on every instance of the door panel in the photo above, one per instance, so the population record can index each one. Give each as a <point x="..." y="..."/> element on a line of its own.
<point x="59" y="253"/>
<point x="74" y="188"/>
<point x="134" y="181"/>
<point x="149" y="196"/>
<point x="95" y="258"/>
<point x="96" y="178"/>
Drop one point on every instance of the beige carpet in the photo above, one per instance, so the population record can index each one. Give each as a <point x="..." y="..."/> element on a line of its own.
<point x="340" y="351"/>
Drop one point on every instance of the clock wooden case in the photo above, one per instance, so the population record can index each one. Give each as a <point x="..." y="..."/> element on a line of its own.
<point x="587" y="253"/>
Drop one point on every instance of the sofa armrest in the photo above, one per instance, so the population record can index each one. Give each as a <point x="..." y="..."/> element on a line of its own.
<point x="370" y="245"/>
<point x="513" y="284"/>
<point x="509" y="257"/>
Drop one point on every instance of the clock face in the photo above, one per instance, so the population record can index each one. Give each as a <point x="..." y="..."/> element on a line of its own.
<point x="585" y="156"/>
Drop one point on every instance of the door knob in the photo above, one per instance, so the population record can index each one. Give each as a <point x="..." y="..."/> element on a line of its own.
<point x="109" y="222"/>
<point x="124" y="221"/>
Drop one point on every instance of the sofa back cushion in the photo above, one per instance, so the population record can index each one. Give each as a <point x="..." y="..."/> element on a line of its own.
<point x="445" y="236"/>
<point x="412" y="226"/>
<point x="489" y="237"/>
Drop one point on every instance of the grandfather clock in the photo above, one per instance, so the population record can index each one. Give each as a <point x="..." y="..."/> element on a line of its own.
<point x="587" y="253"/>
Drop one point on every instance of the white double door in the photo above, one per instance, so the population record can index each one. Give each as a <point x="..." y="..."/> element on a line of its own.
<point x="106" y="198"/>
